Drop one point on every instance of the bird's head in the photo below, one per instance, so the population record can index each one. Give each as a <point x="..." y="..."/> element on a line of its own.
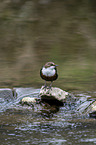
<point x="52" y="65"/>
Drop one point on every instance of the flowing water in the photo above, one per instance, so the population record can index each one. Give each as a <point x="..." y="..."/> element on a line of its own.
<point x="33" y="125"/>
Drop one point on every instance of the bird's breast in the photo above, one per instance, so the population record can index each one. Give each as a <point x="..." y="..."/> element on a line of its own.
<point x="48" y="72"/>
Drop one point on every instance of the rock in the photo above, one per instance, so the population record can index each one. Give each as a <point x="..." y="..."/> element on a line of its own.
<point x="28" y="100"/>
<point x="25" y="92"/>
<point x="6" y="94"/>
<point x="81" y="100"/>
<point x="53" y="95"/>
<point x="93" y="106"/>
<point x="83" y="108"/>
<point x="93" y="110"/>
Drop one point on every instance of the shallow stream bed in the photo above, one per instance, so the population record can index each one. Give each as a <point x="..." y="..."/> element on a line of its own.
<point x="27" y="125"/>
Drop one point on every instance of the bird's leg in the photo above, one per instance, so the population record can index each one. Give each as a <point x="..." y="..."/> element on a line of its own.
<point x="50" y="85"/>
<point x="45" y="86"/>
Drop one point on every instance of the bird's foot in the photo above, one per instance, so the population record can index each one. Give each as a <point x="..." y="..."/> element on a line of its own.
<point x="50" y="87"/>
<point x="45" y="87"/>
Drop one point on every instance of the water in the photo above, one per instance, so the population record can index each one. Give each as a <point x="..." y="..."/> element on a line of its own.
<point x="25" y="125"/>
<point x="33" y="32"/>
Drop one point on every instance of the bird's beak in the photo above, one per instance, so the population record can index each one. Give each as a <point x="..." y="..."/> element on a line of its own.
<point x="56" y="65"/>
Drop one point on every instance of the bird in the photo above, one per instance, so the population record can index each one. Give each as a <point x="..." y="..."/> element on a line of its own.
<point x="49" y="73"/>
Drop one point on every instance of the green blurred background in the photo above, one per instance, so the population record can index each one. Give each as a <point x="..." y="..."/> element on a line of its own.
<point x="33" y="32"/>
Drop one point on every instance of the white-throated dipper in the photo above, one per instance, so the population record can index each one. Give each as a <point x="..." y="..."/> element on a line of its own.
<point x="49" y="72"/>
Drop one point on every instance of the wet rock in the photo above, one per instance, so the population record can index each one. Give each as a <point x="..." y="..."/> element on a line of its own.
<point x="28" y="101"/>
<point x="71" y="100"/>
<point x="48" y="110"/>
<point x="53" y="96"/>
<point x="93" y="110"/>
<point x="83" y="108"/>
<point x="93" y="106"/>
<point x="25" y="92"/>
<point x="81" y="100"/>
<point x="6" y="94"/>
<point x="93" y="114"/>
<point x="87" y="108"/>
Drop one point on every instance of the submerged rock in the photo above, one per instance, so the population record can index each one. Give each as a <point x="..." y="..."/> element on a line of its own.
<point x="53" y="96"/>
<point x="25" y="92"/>
<point x="87" y="108"/>
<point x="6" y="94"/>
<point x="83" y="108"/>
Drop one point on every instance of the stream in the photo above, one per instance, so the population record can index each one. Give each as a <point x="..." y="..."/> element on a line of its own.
<point x="33" y="32"/>
<point x="33" y="125"/>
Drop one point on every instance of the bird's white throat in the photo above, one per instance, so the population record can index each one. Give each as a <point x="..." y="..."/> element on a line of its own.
<point x="50" y="71"/>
